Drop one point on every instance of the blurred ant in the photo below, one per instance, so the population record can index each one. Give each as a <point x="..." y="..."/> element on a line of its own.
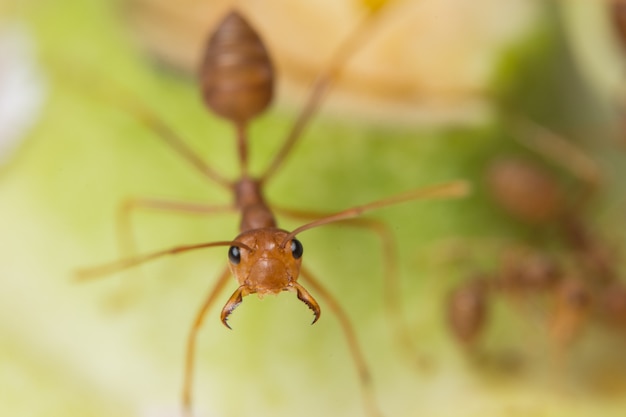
<point x="521" y="274"/>
<point x="577" y="281"/>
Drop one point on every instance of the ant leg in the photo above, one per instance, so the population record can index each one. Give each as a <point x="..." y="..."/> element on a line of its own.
<point x="120" y="97"/>
<point x="592" y="253"/>
<point x="365" y="377"/>
<point x="392" y="291"/>
<point x="126" y="239"/>
<point x="573" y="302"/>
<point x="191" y="341"/>
<point x="563" y="152"/>
<point x="322" y="84"/>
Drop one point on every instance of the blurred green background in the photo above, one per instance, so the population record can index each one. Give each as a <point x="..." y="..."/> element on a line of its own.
<point x="115" y="346"/>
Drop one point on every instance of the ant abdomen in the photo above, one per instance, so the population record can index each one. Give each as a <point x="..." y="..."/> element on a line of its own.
<point x="236" y="76"/>
<point x="525" y="190"/>
<point x="618" y="17"/>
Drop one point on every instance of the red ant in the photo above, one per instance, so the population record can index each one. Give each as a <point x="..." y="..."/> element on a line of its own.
<point x="578" y="281"/>
<point x="236" y="79"/>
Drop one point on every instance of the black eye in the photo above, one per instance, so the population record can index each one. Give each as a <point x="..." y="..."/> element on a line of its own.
<point x="234" y="255"/>
<point x="296" y="249"/>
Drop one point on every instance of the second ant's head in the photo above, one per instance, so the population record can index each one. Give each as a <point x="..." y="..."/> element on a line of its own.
<point x="266" y="263"/>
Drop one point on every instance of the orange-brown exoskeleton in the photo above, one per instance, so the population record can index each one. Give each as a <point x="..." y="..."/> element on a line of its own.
<point x="526" y="272"/>
<point x="524" y="190"/>
<point x="585" y="282"/>
<point x="532" y="194"/>
<point x="468" y="307"/>
<point x="572" y="303"/>
<point x="237" y="75"/>
<point x="617" y="12"/>
<point x="236" y="80"/>
<point x="520" y="275"/>
<point x="266" y="266"/>
<point x="611" y="304"/>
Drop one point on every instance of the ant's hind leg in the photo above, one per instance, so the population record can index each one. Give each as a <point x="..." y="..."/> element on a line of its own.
<point x="322" y="84"/>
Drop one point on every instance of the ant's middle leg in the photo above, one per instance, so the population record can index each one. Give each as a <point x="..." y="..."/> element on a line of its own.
<point x="125" y="235"/>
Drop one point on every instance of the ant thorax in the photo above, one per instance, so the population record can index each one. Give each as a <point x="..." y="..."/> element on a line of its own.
<point x="255" y="213"/>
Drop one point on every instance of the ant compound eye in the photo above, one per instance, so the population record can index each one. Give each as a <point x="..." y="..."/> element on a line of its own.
<point x="296" y="249"/>
<point x="234" y="255"/>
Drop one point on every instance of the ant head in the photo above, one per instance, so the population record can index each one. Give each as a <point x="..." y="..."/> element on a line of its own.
<point x="266" y="261"/>
<point x="265" y="266"/>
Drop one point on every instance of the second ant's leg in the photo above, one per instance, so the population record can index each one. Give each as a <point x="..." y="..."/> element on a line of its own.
<point x="573" y="301"/>
<point x="126" y="239"/>
<point x="365" y="377"/>
<point x="191" y="341"/>
<point x="563" y="152"/>
<point x="391" y="284"/>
